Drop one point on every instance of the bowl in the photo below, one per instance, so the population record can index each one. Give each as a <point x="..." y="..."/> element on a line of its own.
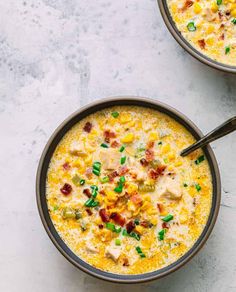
<point x="186" y="45"/>
<point x="42" y="177"/>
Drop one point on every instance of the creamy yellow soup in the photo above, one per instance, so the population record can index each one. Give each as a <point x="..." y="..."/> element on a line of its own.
<point x="121" y="196"/>
<point x="209" y="25"/>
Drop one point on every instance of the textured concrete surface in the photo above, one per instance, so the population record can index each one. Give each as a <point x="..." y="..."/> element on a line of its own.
<point x="56" y="55"/>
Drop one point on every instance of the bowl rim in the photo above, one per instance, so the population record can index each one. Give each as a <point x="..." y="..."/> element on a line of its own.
<point x="55" y="138"/>
<point x="186" y="45"/>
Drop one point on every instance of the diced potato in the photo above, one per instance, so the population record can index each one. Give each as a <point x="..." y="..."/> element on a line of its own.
<point x="110" y="158"/>
<point x="170" y="189"/>
<point x="113" y="253"/>
<point x="77" y="148"/>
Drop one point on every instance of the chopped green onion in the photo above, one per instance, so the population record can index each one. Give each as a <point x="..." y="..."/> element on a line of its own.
<point x="96" y="172"/>
<point x="91" y="203"/>
<point x="104" y="180"/>
<point x="234" y="21"/>
<point x="77" y="214"/>
<point x="185" y="185"/>
<point x="161" y="234"/>
<point x="198" y="187"/>
<point x="135" y="235"/>
<point x="227" y="50"/>
<point x="191" y="26"/>
<point x="200" y="159"/>
<point x="104" y="145"/>
<point x="218" y="2"/>
<point x="117" y="229"/>
<point x="55" y="208"/>
<point x="97" y="165"/>
<point x="159" y="143"/>
<point x="141" y="148"/>
<point x="118" y="189"/>
<point x="115" y="114"/>
<point x="122" y="160"/>
<point x="125" y="233"/>
<point x="117" y="241"/>
<point x="139" y="251"/>
<point x="131" y="234"/>
<point x="112" y="227"/>
<point x="165" y="160"/>
<point x="122" y="148"/>
<point x="122" y="179"/>
<point x="94" y="188"/>
<point x="168" y="218"/>
<point x="94" y="191"/>
<point x="136" y="221"/>
<point x="75" y="179"/>
<point x="82" y="182"/>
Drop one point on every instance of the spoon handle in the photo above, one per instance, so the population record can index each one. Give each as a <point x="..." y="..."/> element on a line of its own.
<point x="224" y="129"/>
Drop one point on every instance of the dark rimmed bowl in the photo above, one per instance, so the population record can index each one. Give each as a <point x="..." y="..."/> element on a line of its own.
<point x="186" y="45"/>
<point x="42" y="177"/>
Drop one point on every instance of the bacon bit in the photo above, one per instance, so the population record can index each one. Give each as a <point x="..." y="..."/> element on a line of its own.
<point x="115" y="144"/>
<point x="222" y="25"/>
<point x="88" y="127"/>
<point x="87" y="192"/>
<point x="102" y="192"/>
<point x="153" y="174"/>
<point x="118" y="218"/>
<point x="89" y="212"/>
<point x="187" y="4"/>
<point x="160" y="169"/>
<point x="202" y="44"/>
<point x="150" y="144"/>
<point x="146" y="224"/>
<point x="144" y="162"/>
<point x="112" y="175"/>
<point x="160" y="207"/>
<point x="165" y="225"/>
<point x="66" y="189"/>
<point x="108" y="135"/>
<point x="125" y="262"/>
<point x="66" y="166"/>
<point x="130" y="226"/>
<point x="220" y="15"/>
<point x="136" y="199"/>
<point x="104" y="216"/>
<point x="100" y="226"/>
<point x="149" y="155"/>
<point x="194" y="202"/>
<point x="123" y="170"/>
<point x="89" y="172"/>
<point x="222" y="37"/>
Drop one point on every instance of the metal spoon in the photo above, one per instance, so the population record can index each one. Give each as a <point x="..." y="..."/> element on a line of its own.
<point x="224" y="129"/>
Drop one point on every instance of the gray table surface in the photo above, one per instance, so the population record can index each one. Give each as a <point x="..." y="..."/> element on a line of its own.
<point x="56" y="55"/>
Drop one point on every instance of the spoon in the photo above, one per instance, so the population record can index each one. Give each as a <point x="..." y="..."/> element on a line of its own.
<point x="224" y="129"/>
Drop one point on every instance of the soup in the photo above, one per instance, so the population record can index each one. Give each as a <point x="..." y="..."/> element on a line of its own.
<point x="209" y="25"/>
<point x="120" y="195"/>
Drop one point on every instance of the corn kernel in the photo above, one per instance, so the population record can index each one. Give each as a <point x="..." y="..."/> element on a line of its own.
<point x="166" y="148"/>
<point x="153" y="136"/>
<point x="197" y="8"/>
<point x="125" y="117"/>
<point x="129" y="138"/>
